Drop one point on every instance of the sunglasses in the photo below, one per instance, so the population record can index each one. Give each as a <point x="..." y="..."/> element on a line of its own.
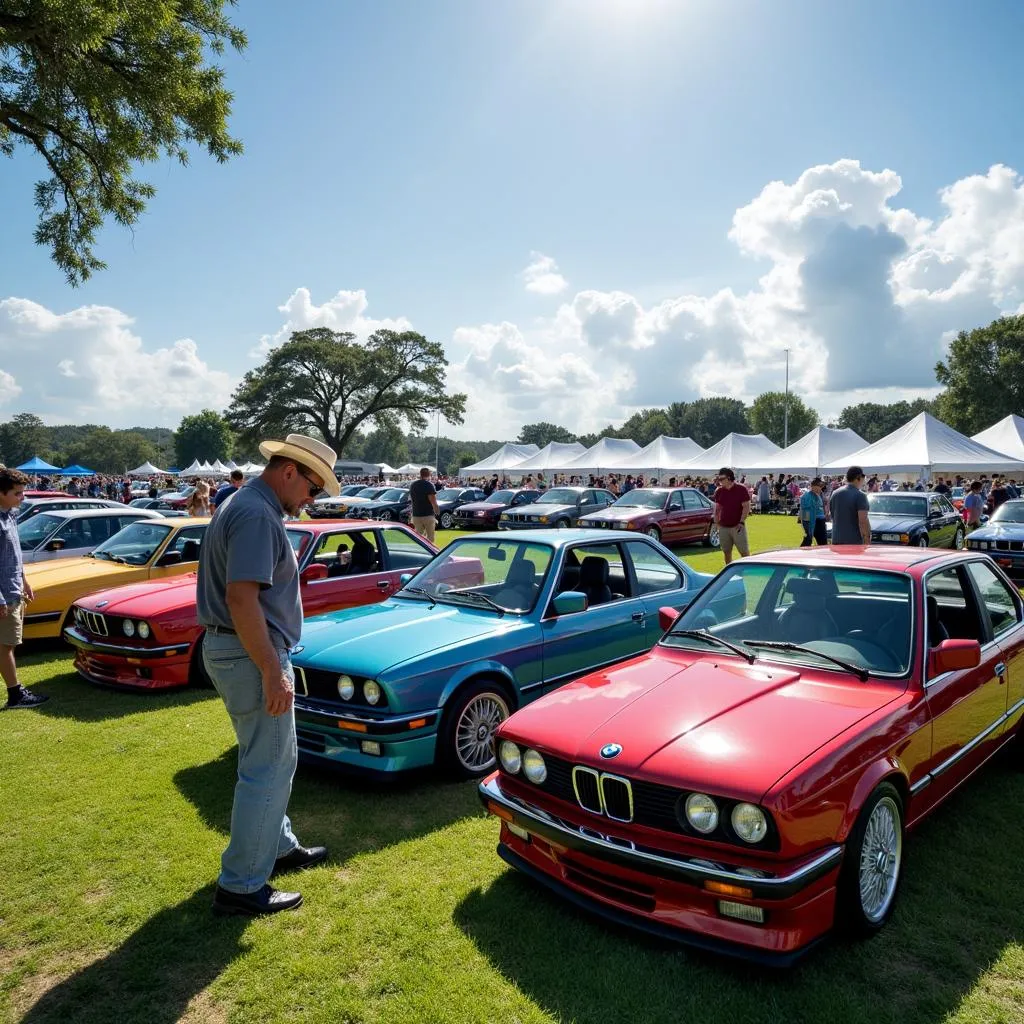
<point x="314" y="487"/>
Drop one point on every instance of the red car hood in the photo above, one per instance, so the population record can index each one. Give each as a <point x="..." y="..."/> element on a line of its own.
<point x="625" y="513"/>
<point x="145" y="600"/>
<point x="722" y="726"/>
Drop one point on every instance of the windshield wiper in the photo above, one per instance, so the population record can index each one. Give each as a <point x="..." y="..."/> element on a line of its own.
<point x="477" y="596"/>
<point x="419" y="590"/>
<point x="117" y="558"/>
<point x="703" y="634"/>
<point x="785" y="645"/>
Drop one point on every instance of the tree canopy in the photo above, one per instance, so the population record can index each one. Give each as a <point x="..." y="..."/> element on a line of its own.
<point x="873" y="421"/>
<point x="93" y="88"/>
<point x="708" y="420"/>
<point x="543" y="434"/>
<point x="327" y="382"/>
<point x="111" y="451"/>
<point x="205" y="436"/>
<point x="768" y="416"/>
<point x="22" y="437"/>
<point x="983" y="375"/>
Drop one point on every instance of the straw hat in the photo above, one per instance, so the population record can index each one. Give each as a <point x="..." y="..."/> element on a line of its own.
<point x="308" y="452"/>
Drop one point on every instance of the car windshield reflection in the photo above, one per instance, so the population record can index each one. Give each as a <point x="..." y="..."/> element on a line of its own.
<point x="816" y="616"/>
<point x="497" y="576"/>
<point x="1009" y="512"/>
<point x="898" y="504"/>
<point x="135" y="544"/>
<point x="641" y="498"/>
<point x="34" y="531"/>
<point x="558" y="496"/>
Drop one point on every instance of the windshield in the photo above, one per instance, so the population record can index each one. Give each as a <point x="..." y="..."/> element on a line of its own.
<point x="641" y="499"/>
<point x="558" y="496"/>
<point x="957" y="492"/>
<point x="369" y="492"/>
<point x="497" y="576"/>
<point x="500" y="498"/>
<point x="898" y="504"/>
<point x="448" y="494"/>
<point x="34" y="531"/>
<point x="861" y="617"/>
<point x="392" y="494"/>
<point x="1008" y="512"/>
<point x="347" y="492"/>
<point x="135" y="544"/>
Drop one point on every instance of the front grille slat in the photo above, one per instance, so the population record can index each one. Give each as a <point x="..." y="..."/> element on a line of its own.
<point x="587" y="788"/>
<point x="617" y="798"/>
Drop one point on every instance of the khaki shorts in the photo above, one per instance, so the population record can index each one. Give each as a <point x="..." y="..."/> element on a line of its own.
<point x="424" y="526"/>
<point x="11" y="625"/>
<point x="730" y="536"/>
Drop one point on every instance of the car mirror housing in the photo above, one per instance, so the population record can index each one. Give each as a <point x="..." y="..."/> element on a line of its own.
<point x="171" y="558"/>
<point x="315" y="571"/>
<point x="954" y="655"/>
<point x="667" y="617"/>
<point x="569" y="602"/>
<point x="55" y="545"/>
<point x="406" y="577"/>
<point x="675" y="507"/>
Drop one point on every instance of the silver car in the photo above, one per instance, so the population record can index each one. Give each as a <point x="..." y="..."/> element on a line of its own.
<point x="68" y="533"/>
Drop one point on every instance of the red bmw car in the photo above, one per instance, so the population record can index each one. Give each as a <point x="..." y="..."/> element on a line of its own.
<point x="679" y="515"/>
<point x="747" y="785"/>
<point x="147" y="635"/>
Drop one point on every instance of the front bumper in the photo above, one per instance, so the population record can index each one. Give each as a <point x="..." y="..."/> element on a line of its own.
<point x="147" y="668"/>
<point x="472" y="523"/>
<point x="504" y="524"/>
<point x="666" y="892"/>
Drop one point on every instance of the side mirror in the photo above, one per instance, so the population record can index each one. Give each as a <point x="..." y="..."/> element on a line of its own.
<point x="569" y="602"/>
<point x="675" y="507"/>
<point x="667" y="618"/>
<point x="171" y="558"/>
<point x="954" y="655"/>
<point x="314" y="571"/>
<point x="406" y="577"/>
<point x="55" y="545"/>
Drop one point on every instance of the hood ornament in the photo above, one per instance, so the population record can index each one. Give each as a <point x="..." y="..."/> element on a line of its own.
<point x="610" y="750"/>
<point x="102" y="604"/>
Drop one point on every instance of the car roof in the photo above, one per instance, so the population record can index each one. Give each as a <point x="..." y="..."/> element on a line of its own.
<point x="339" y="525"/>
<point x="556" y="538"/>
<point x="93" y="513"/>
<point x="856" y="556"/>
<point x="98" y="502"/>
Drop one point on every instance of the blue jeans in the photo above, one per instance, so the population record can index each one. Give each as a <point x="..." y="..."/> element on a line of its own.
<point x="267" y="757"/>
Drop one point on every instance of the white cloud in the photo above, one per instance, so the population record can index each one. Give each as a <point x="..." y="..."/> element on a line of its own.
<point x="9" y="387"/>
<point x="542" y="277"/>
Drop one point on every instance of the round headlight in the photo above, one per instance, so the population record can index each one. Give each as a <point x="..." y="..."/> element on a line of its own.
<point x="371" y="691"/>
<point x="542" y="519"/>
<point x="534" y="767"/>
<point x="511" y="759"/>
<point x="143" y="630"/>
<point x="129" y="627"/>
<point x="346" y="688"/>
<point x="749" y="823"/>
<point x="702" y="813"/>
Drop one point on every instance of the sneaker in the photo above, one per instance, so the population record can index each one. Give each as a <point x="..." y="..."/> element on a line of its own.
<point x="24" y="699"/>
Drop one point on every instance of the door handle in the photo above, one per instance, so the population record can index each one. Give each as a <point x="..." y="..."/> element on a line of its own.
<point x="383" y="584"/>
<point x="638" y="616"/>
<point x="1001" y="671"/>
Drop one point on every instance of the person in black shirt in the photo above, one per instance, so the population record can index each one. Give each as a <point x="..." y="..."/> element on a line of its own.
<point x="424" y="505"/>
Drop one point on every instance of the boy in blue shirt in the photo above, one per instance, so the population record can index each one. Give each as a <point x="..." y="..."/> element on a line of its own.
<point x="812" y="514"/>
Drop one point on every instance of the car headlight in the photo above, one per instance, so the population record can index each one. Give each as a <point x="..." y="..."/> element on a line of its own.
<point x="346" y="688"/>
<point x="371" y="691"/>
<point x="904" y="538"/>
<point x="534" y="767"/>
<point x="702" y="812"/>
<point x="143" y="630"/>
<point x="542" y="519"/>
<point x="749" y="823"/>
<point x="982" y="545"/>
<point x="511" y="758"/>
<point x="129" y="627"/>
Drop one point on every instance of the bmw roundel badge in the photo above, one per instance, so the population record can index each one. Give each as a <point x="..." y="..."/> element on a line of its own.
<point x="102" y="604"/>
<point x="610" y="750"/>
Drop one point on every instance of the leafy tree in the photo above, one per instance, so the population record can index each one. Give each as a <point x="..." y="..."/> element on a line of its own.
<point x="112" y="451"/>
<point x="465" y="457"/>
<point x="326" y="382"/>
<point x="94" y="87"/>
<point x="983" y="375"/>
<point x="873" y="421"/>
<point x="386" y="444"/>
<point x="768" y="415"/>
<point x="205" y="436"/>
<point x="708" y="420"/>
<point x="589" y="440"/>
<point x="22" y="437"/>
<point x="542" y="434"/>
<point x="644" y="426"/>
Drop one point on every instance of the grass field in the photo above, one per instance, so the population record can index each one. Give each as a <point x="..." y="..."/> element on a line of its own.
<point x="115" y="811"/>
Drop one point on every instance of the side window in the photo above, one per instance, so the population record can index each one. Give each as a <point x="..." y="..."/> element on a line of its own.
<point x="947" y="506"/>
<point x="588" y="498"/>
<point x="405" y="551"/>
<point x="692" y="501"/>
<point x="654" y="572"/>
<point x="582" y="570"/>
<point x="121" y="522"/>
<point x="950" y="608"/>
<point x="187" y="542"/>
<point x="76" y="533"/>
<point x="998" y="603"/>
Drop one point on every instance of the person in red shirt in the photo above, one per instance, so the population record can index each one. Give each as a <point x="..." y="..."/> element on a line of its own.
<point x="732" y="506"/>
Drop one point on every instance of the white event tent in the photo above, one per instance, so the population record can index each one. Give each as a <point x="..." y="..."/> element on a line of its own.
<point x="608" y="453"/>
<point x="1006" y="436"/>
<point x="147" y="469"/>
<point x="926" y="445"/>
<point x="192" y="470"/>
<point x="818" y="448"/>
<point x="413" y="469"/>
<point x="663" y="455"/>
<point x="740" y="452"/>
<point x="508" y="456"/>
<point x="550" y="456"/>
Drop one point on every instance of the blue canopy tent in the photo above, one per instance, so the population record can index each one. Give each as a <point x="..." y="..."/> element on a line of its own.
<point x="75" y="470"/>
<point x="37" y="465"/>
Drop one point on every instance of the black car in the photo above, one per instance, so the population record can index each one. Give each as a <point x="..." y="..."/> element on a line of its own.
<point x="1002" y="539"/>
<point x="484" y="514"/>
<point x="161" y="505"/>
<point x="449" y="499"/>
<point x="389" y="505"/>
<point x="559" y="507"/>
<point x="342" y="506"/>
<point x="918" y="518"/>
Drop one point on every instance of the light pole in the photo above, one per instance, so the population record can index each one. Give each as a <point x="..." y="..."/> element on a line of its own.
<point x="437" y="444"/>
<point x="785" y="408"/>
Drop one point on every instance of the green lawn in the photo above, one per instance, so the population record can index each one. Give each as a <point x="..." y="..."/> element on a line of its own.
<point x="116" y="808"/>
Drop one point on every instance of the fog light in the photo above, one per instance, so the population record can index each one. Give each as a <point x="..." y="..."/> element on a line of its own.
<point x="741" y="911"/>
<point x="517" y="831"/>
<point x="370" y="747"/>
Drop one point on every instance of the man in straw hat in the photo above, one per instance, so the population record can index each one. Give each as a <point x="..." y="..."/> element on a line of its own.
<point x="248" y="601"/>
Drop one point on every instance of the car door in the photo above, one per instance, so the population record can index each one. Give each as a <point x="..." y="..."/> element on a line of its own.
<point x="940" y="534"/>
<point x="77" y="536"/>
<point x="605" y="632"/>
<point x="186" y="543"/>
<point x="658" y="583"/>
<point x="674" y="525"/>
<point x="953" y="518"/>
<point x="966" y="706"/>
<point x="353" y="561"/>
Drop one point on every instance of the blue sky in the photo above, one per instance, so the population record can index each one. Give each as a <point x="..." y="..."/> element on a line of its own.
<point x="421" y="151"/>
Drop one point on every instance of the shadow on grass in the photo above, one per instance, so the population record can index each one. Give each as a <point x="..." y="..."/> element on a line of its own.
<point x="348" y="815"/>
<point x="72" y="697"/>
<point x="153" y="975"/>
<point x="959" y="909"/>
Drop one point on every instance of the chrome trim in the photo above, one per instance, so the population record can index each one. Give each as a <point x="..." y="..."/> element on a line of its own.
<point x="604" y="802"/>
<point x="41" y="617"/>
<point x="363" y="719"/>
<point x="300" y="677"/>
<point x="83" y="643"/>
<point x="664" y="865"/>
<point x="583" y="770"/>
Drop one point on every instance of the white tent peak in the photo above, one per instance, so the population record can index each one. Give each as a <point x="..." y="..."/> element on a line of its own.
<point x="550" y="457"/>
<point x="662" y="455"/>
<point x="508" y="456"/>
<point x="740" y="452"/>
<point x="147" y="469"/>
<point x="603" y="457"/>
<point x="815" y="449"/>
<point x="1006" y="436"/>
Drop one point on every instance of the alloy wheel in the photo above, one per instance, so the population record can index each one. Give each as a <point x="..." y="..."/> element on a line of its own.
<point x="474" y="731"/>
<point x="881" y="855"/>
<point x="446" y="520"/>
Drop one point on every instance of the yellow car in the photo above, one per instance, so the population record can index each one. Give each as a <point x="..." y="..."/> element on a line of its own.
<point x="149" y="549"/>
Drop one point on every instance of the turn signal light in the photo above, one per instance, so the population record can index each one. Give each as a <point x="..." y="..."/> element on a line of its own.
<point x="741" y="911"/>
<point x="724" y="889"/>
<point x="352" y="726"/>
<point x="417" y="723"/>
<point x="499" y="812"/>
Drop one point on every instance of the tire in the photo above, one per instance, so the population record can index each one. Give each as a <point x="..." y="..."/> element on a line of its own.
<point x="958" y="539"/>
<point x="653" y="532"/>
<point x="445" y="521"/>
<point x="922" y="541"/>
<point x="872" y="865"/>
<point x="466" y="739"/>
<point x="197" y="675"/>
<point x="563" y="524"/>
<point x="385" y="516"/>
<point x="712" y="540"/>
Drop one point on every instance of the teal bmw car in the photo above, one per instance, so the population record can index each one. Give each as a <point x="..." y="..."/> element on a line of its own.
<point x="492" y="622"/>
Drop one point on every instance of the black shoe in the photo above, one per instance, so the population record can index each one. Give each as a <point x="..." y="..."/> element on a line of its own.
<point x="254" y="904"/>
<point x="299" y="859"/>
<point x="22" y="698"/>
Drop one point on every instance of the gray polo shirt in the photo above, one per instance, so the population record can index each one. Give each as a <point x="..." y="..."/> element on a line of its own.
<point x="846" y="502"/>
<point x="247" y="541"/>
